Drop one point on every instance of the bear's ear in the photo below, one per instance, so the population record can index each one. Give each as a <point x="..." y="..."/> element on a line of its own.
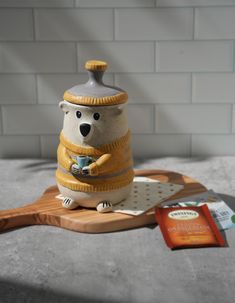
<point x="120" y="108"/>
<point x="64" y="106"/>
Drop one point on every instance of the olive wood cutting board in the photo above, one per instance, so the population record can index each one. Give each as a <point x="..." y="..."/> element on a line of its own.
<point x="47" y="210"/>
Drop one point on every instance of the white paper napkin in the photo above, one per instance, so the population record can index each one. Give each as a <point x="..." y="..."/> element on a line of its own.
<point x="146" y="193"/>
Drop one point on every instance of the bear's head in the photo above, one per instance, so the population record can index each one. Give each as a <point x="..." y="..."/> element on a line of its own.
<point x="93" y="125"/>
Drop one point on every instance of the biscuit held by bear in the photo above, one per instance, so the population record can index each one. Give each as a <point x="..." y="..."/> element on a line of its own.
<point x="95" y="166"/>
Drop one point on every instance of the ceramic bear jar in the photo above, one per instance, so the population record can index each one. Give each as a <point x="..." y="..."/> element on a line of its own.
<point x="95" y="166"/>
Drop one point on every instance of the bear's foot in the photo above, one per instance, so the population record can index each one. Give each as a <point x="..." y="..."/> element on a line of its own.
<point x="104" y="207"/>
<point x="69" y="203"/>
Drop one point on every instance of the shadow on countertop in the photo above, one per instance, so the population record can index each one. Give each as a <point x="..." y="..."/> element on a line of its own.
<point x="140" y="161"/>
<point x="19" y="292"/>
<point x="39" y="165"/>
<point x="230" y="200"/>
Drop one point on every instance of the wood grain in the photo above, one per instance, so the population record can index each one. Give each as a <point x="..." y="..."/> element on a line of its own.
<point x="47" y="210"/>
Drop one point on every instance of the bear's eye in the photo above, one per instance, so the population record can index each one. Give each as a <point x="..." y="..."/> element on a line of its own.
<point x="96" y="116"/>
<point x="78" y="114"/>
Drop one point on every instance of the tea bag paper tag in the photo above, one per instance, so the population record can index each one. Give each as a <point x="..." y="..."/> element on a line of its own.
<point x="206" y="196"/>
<point x="146" y="193"/>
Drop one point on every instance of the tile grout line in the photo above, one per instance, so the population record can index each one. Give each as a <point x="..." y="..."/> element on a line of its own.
<point x="232" y="106"/>
<point x="143" y="73"/>
<point x="36" y="88"/>
<point x="233" y="56"/>
<point x="1" y="120"/>
<point x="180" y="134"/>
<point x="27" y="135"/>
<point x="194" y="21"/>
<point x="114" y="80"/>
<point x="40" y="145"/>
<point x="198" y="6"/>
<point x="231" y="126"/>
<point x="76" y="58"/>
<point x="191" y="87"/>
<point x="179" y="103"/>
<point x="34" y="25"/>
<point x="62" y="41"/>
<point x="154" y="56"/>
<point x="190" y="144"/>
<point x="137" y="134"/>
<point x="131" y="104"/>
<point x="154" y="119"/>
<point x="114" y="24"/>
<point x="122" y="7"/>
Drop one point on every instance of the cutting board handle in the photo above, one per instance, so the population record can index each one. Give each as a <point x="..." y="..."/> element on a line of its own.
<point x="16" y="217"/>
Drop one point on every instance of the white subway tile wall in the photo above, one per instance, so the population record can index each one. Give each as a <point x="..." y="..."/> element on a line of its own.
<point x="36" y="3"/>
<point x="49" y="144"/>
<point x="26" y="146"/>
<point x="115" y="3"/>
<point x="181" y="3"/>
<point x="175" y="58"/>
<point x="52" y="87"/>
<point x="154" y="24"/>
<point x="126" y="57"/>
<point x="36" y="57"/>
<point x="16" y="24"/>
<point x="195" y="56"/>
<point x="207" y="27"/>
<point x="193" y="119"/>
<point x="213" y="145"/>
<point x="18" y="89"/>
<point x="213" y="87"/>
<point x="156" y="88"/>
<point x="31" y="119"/>
<point x="158" y="145"/>
<point x="73" y="24"/>
<point x="141" y="118"/>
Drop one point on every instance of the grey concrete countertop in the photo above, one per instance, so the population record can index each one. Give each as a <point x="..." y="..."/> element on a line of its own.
<point x="49" y="264"/>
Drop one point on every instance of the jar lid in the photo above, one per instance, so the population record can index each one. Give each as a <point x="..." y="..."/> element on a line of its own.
<point x="94" y="65"/>
<point x="95" y="92"/>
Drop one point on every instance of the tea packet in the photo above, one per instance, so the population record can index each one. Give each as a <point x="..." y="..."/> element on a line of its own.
<point x="188" y="227"/>
<point x="223" y="215"/>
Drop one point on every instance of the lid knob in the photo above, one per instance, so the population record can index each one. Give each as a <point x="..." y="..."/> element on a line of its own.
<point x="96" y="65"/>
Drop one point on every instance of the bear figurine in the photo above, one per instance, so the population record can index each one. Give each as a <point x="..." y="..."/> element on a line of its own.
<point x="95" y="165"/>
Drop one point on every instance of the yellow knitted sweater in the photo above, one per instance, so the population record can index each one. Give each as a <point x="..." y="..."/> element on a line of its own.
<point x="112" y="167"/>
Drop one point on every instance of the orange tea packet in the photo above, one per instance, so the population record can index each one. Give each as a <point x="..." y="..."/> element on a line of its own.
<point x="191" y="226"/>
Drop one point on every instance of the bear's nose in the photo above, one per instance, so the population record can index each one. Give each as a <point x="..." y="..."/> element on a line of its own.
<point x="85" y="129"/>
